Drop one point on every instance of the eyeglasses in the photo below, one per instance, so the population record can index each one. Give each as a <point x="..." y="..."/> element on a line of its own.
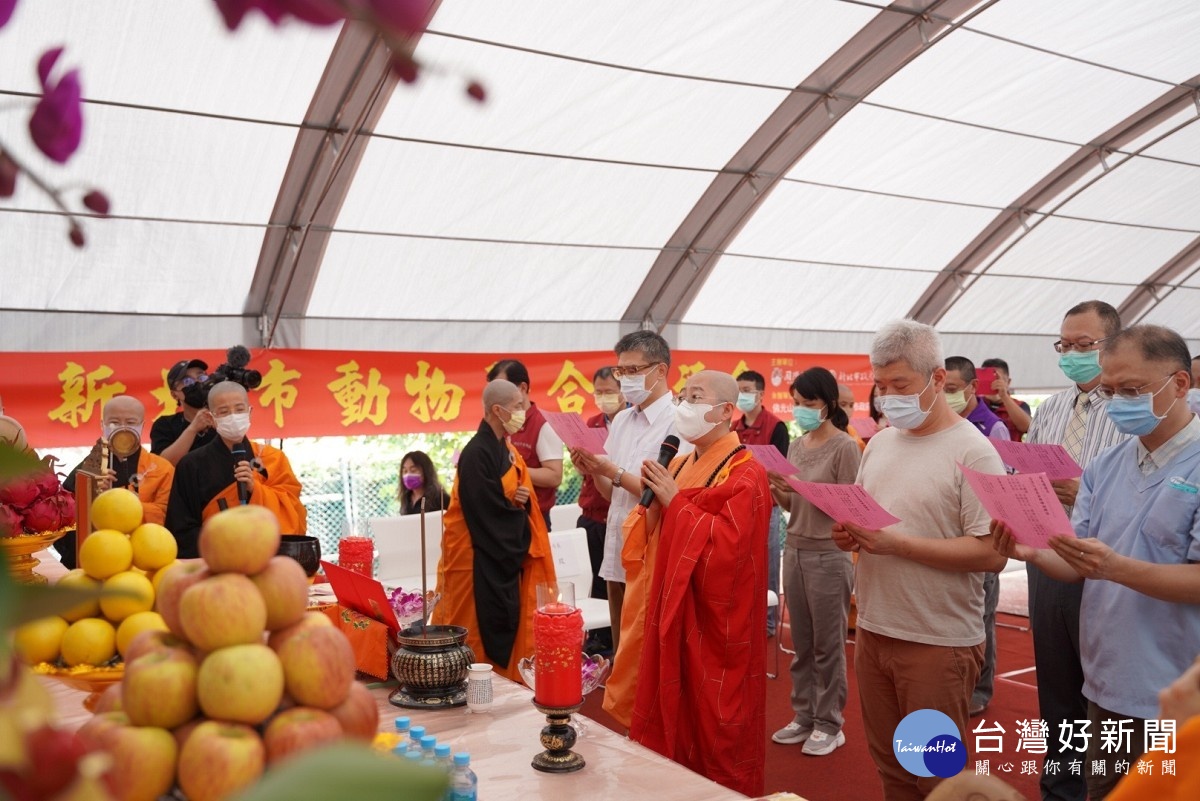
<point x="1086" y="345"/>
<point x="187" y="382"/>
<point x="632" y="369"/>
<point x="1129" y="393"/>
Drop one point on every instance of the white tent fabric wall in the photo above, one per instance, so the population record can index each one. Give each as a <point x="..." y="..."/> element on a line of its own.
<point x="1008" y="159"/>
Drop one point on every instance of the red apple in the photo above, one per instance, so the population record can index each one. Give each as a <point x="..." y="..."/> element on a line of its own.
<point x="98" y="726"/>
<point x="299" y="729"/>
<point x="219" y="759"/>
<point x="181" y="733"/>
<point x="159" y="689"/>
<point x="143" y="761"/>
<point x="310" y="619"/>
<point x="222" y="610"/>
<point x="358" y="714"/>
<point x="109" y="700"/>
<point x="241" y="539"/>
<point x="284" y="589"/>
<point x="151" y="641"/>
<point x="241" y="683"/>
<point x="179" y="578"/>
<point x="54" y="756"/>
<point x="318" y="667"/>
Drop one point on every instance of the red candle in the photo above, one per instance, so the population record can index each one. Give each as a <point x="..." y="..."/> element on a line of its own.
<point x="557" y="643"/>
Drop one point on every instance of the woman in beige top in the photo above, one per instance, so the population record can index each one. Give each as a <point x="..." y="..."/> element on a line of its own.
<point x="817" y="576"/>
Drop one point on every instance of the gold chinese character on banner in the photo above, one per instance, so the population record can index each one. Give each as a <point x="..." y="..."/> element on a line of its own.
<point x="83" y="391"/>
<point x="740" y="368"/>
<point x="359" y="401"/>
<point x="434" y="398"/>
<point x="277" y="390"/>
<point x="567" y="386"/>
<point x="162" y="394"/>
<point x="686" y="370"/>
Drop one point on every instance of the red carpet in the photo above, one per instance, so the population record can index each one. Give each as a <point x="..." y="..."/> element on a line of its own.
<point x="848" y="773"/>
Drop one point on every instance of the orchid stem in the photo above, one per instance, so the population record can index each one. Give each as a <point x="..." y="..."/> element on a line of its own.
<point x="46" y="188"/>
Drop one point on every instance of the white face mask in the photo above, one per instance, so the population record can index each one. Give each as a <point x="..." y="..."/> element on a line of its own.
<point x="904" y="411"/>
<point x="690" y="422"/>
<point x="634" y="388"/>
<point x="233" y="426"/>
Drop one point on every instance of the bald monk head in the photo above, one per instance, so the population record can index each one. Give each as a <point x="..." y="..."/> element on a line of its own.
<point x="123" y="411"/>
<point x="694" y="419"/>
<point x="972" y="787"/>
<point x="502" y="403"/>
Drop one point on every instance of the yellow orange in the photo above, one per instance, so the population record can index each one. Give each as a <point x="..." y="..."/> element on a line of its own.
<point x="118" y="509"/>
<point x="105" y="553"/>
<point x="134" y="625"/>
<point x="40" y="640"/>
<point x="138" y="596"/>
<point x="79" y="579"/>
<point x="91" y="641"/>
<point x="153" y="546"/>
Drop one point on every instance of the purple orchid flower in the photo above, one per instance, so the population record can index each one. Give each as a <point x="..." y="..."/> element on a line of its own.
<point x="6" y="11"/>
<point x="57" y="122"/>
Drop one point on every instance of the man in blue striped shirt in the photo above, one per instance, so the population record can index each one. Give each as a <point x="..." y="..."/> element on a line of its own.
<point x="1074" y="418"/>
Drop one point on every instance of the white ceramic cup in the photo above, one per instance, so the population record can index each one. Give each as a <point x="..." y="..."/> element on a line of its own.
<point x="479" y="687"/>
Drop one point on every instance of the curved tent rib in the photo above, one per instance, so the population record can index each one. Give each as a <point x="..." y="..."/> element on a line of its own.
<point x="1016" y="220"/>
<point x="889" y="41"/>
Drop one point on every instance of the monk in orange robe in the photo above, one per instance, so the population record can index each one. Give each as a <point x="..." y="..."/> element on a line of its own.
<point x="229" y="471"/>
<point x="690" y="673"/>
<point x="495" y="546"/>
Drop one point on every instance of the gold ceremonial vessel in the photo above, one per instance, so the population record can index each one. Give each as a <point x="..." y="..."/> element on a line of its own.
<point x="20" y="550"/>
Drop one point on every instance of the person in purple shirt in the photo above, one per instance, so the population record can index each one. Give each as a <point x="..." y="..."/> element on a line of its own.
<point x="961" y="389"/>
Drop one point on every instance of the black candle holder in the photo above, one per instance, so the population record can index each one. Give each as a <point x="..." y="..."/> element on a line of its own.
<point x="558" y="738"/>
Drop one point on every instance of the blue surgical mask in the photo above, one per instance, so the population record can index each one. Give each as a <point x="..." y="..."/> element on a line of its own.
<point x="808" y="419"/>
<point x="904" y="411"/>
<point x="1193" y="400"/>
<point x="1080" y="367"/>
<point x="1136" y="416"/>
<point x="747" y="401"/>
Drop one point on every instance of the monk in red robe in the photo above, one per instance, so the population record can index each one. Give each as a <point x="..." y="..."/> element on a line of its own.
<point x="691" y="666"/>
<point x="495" y="546"/>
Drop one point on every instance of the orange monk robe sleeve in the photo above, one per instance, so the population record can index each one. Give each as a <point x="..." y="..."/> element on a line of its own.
<point x="154" y="487"/>
<point x="278" y="491"/>
<point x="701" y="692"/>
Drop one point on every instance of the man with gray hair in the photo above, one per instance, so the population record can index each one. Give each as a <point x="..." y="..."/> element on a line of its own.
<point x="919" y="641"/>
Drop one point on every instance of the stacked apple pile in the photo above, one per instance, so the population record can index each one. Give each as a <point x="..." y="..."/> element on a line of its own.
<point x="244" y="677"/>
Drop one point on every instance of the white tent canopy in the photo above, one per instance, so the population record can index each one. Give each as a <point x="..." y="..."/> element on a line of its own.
<point x="772" y="176"/>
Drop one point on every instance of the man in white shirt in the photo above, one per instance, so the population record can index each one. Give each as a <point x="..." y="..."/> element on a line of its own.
<point x="635" y="435"/>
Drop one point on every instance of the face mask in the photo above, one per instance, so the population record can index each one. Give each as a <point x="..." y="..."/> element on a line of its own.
<point x="1193" y="400"/>
<point x="1136" y="416"/>
<point x="1080" y="367"/>
<point x="690" y="422"/>
<point x="747" y="401"/>
<point x="413" y="480"/>
<point x="808" y="419"/>
<point x="904" y="411"/>
<point x="514" y="423"/>
<point x="233" y="426"/>
<point x="957" y="401"/>
<point x="634" y="388"/>
<point x="609" y="404"/>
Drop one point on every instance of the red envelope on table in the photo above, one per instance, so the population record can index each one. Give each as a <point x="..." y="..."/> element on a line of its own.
<point x="365" y="616"/>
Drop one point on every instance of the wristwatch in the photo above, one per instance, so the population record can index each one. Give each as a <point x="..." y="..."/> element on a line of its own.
<point x="617" y="476"/>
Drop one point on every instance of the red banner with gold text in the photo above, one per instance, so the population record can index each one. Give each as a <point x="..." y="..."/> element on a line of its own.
<point x="307" y="393"/>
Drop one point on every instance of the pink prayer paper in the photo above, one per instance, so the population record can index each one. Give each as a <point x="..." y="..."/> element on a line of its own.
<point x="770" y="457"/>
<point x="845" y="503"/>
<point x="1029" y="457"/>
<point x="574" y="431"/>
<point x="865" y="427"/>
<point x="1025" y="501"/>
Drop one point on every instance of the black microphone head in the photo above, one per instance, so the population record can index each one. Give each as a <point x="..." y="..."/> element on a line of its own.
<point x="240" y="450"/>
<point x="670" y="446"/>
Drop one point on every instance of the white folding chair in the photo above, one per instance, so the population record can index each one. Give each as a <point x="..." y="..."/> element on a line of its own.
<point x="564" y="516"/>
<point x="572" y="563"/>
<point x="398" y="541"/>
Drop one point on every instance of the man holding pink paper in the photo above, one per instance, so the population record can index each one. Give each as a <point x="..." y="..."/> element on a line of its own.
<point x="1137" y="517"/>
<point x="919" y="642"/>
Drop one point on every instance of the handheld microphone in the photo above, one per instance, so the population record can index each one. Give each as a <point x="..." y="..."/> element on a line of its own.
<point x="240" y="455"/>
<point x="666" y="452"/>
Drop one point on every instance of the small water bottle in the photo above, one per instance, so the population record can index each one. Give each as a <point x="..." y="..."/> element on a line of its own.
<point x="441" y="753"/>
<point x="429" y="747"/>
<point x="413" y="756"/>
<point x="401" y="748"/>
<point x="403" y="723"/>
<point x="414" y="737"/>
<point x="463" y="783"/>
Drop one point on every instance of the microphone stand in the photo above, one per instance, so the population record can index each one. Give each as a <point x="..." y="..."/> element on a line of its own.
<point x="424" y="572"/>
